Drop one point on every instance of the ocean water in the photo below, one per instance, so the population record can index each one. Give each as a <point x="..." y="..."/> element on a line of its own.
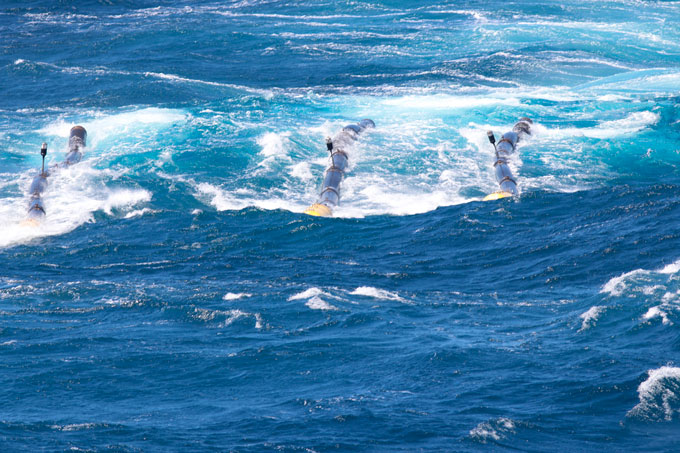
<point x="176" y="298"/>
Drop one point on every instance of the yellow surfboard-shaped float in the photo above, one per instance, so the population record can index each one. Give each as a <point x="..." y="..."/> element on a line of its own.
<point x="497" y="195"/>
<point x="319" y="210"/>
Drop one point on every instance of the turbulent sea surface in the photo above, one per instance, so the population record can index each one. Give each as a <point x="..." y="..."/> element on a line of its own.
<point x="176" y="298"/>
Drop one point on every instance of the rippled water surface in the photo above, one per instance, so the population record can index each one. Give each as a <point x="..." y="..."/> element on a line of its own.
<point x="176" y="298"/>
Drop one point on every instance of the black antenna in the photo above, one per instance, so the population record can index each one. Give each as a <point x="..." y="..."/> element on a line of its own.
<point x="329" y="145"/>
<point x="43" y="153"/>
<point x="492" y="139"/>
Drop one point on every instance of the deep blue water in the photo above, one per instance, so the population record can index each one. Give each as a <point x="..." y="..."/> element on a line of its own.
<point x="175" y="298"/>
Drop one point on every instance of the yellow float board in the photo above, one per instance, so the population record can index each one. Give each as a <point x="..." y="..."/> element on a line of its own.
<point x="497" y="195"/>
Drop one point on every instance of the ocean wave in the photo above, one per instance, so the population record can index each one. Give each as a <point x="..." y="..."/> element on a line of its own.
<point x="656" y="285"/>
<point x="314" y="300"/>
<point x="659" y="395"/>
<point x="376" y="293"/>
<point x="226" y="317"/>
<point x="590" y="317"/>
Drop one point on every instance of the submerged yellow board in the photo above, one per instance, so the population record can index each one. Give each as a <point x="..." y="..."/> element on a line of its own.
<point x="497" y="195"/>
<point x="30" y="223"/>
<point x="319" y="210"/>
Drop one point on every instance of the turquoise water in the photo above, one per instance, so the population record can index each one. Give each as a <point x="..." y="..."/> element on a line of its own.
<point x="176" y="298"/>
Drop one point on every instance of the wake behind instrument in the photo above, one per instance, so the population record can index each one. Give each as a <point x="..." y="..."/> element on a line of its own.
<point x="36" y="208"/>
<point x="330" y="189"/>
<point x="504" y="150"/>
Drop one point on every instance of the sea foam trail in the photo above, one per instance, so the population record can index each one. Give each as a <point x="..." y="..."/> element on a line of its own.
<point x="631" y="124"/>
<point x="170" y="78"/>
<point x="417" y="160"/>
<point x="376" y="183"/>
<point x="75" y="193"/>
<point x="102" y="127"/>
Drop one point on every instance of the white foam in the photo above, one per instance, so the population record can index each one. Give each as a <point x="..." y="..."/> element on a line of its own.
<point x="235" y="296"/>
<point x="651" y="289"/>
<point x="267" y="94"/>
<point x="373" y="194"/>
<point x="631" y="124"/>
<point x="448" y="102"/>
<point x="231" y="200"/>
<point x="672" y="268"/>
<point x="421" y="172"/>
<point x="104" y="125"/>
<point x="301" y="170"/>
<point x="121" y="198"/>
<point x="228" y="316"/>
<point x="172" y="78"/>
<point x="139" y="213"/>
<point x="656" y="284"/>
<point x="376" y="293"/>
<point x="590" y="317"/>
<point x="313" y="300"/>
<point x="658" y="394"/>
<point x="274" y="146"/>
<point x="121" y="302"/>
<point x="617" y="285"/>
<point x="372" y="185"/>
<point x="316" y="303"/>
<point x="73" y="195"/>
<point x="493" y="430"/>
<point x="611" y="97"/>
<point x="306" y="294"/>
<point x="657" y="312"/>
<point x="74" y="426"/>
<point x="480" y="16"/>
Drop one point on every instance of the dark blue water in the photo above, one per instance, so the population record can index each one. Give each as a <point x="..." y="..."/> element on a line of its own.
<point x="175" y="298"/>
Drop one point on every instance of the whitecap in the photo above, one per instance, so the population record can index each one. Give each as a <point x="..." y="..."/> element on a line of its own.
<point x="235" y="296"/>
<point x="590" y="317"/>
<point x="493" y="430"/>
<point x="617" y="285"/>
<point x="139" y="213"/>
<point x="657" y="312"/>
<point x="302" y="170"/>
<point x="306" y="294"/>
<point x="659" y="395"/>
<point x="316" y="303"/>
<point x="227" y="316"/>
<point x="376" y="293"/>
<point x="105" y="125"/>
<point x="630" y="124"/>
<point x="313" y="300"/>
